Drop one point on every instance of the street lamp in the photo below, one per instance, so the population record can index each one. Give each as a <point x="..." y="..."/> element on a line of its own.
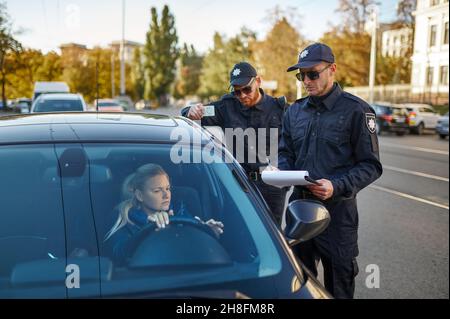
<point x="372" y="27"/>
<point x="122" y="53"/>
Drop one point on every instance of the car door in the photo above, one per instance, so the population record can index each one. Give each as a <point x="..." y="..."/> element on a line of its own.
<point x="32" y="234"/>
<point x="430" y="118"/>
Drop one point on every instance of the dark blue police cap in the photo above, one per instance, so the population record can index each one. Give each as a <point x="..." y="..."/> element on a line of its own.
<point x="313" y="55"/>
<point x="241" y="74"/>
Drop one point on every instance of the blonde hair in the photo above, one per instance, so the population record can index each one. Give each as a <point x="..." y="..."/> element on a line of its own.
<point x="136" y="182"/>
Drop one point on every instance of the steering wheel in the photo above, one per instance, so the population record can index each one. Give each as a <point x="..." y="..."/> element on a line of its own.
<point x="185" y="241"/>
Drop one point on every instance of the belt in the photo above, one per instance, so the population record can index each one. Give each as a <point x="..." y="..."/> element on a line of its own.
<point x="254" y="176"/>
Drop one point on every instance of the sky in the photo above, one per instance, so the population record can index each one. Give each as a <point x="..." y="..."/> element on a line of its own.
<point x="45" y="24"/>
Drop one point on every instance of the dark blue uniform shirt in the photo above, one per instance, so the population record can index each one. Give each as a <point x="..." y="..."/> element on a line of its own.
<point x="332" y="140"/>
<point x="231" y="113"/>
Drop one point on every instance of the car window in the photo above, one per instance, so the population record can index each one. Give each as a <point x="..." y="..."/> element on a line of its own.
<point x="427" y="110"/>
<point x="58" y="106"/>
<point x="32" y="237"/>
<point x="183" y="255"/>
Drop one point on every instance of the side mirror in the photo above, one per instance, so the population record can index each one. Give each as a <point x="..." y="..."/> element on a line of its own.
<point x="305" y="219"/>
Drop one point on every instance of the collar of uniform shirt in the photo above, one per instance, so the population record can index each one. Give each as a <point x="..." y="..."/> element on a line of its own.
<point x="329" y="100"/>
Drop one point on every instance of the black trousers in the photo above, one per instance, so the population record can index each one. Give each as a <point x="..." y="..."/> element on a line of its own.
<point x="336" y="248"/>
<point x="274" y="197"/>
<point x="339" y="275"/>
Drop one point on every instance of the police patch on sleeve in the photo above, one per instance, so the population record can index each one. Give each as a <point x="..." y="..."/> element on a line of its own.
<point x="371" y="122"/>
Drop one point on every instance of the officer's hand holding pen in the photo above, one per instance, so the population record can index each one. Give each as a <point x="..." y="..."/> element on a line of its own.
<point x="196" y="112"/>
<point x="323" y="191"/>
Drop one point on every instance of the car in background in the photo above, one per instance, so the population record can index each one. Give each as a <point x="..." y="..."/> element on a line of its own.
<point x="421" y="117"/>
<point x="73" y="170"/>
<point x="49" y="88"/>
<point x="125" y="101"/>
<point x="22" y="105"/>
<point x="108" y="105"/>
<point x="442" y="126"/>
<point x="391" y="118"/>
<point x="59" y="103"/>
<point x="144" y="104"/>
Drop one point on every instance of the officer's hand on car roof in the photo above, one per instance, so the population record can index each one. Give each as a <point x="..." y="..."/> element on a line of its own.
<point x="196" y="112"/>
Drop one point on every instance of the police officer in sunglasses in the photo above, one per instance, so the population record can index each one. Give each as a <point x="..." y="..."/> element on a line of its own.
<point x="248" y="106"/>
<point x="332" y="135"/>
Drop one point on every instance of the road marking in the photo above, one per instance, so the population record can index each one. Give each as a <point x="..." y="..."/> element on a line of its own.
<point x="413" y="148"/>
<point x="418" y="199"/>
<point x="400" y="170"/>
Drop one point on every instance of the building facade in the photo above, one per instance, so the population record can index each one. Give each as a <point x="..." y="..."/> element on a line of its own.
<point x="430" y="75"/>
<point x="395" y="40"/>
<point x="129" y="47"/>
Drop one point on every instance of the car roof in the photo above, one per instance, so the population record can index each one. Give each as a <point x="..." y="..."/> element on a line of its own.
<point x="50" y="86"/>
<point x="102" y="127"/>
<point x="60" y="96"/>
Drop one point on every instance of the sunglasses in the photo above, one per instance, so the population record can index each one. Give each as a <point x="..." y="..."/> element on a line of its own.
<point x="312" y="75"/>
<point x="246" y="89"/>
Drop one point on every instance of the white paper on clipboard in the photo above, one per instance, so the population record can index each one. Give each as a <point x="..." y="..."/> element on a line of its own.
<point x="285" y="178"/>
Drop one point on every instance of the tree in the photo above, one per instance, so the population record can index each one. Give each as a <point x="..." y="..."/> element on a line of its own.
<point x="355" y="13"/>
<point x="214" y="79"/>
<point x="161" y="54"/>
<point x="190" y="67"/>
<point x="138" y="74"/>
<point x="7" y="45"/>
<point x="352" y="54"/>
<point x="281" y="45"/>
<point x="405" y="9"/>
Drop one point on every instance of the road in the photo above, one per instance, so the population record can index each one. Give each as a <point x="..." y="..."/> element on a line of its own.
<point x="404" y="220"/>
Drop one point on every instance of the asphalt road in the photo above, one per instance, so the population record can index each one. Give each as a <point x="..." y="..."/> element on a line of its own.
<point x="404" y="225"/>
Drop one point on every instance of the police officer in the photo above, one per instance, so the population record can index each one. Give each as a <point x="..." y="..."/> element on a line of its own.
<point x="248" y="107"/>
<point x="332" y="135"/>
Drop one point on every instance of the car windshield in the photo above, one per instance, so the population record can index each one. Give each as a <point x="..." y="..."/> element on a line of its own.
<point x="186" y="254"/>
<point x="106" y="104"/>
<point x="58" y="106"/>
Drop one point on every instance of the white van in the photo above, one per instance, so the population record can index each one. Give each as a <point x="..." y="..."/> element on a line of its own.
<point x="49" y="87"/>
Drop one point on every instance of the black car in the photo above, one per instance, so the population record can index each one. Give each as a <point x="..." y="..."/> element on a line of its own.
<point x="391" y="118"/>
<point x="63" y="176"/>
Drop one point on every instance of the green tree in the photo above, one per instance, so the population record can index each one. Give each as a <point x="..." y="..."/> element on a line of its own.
<point x="138" y="74"/>
<point x="190" y="67"/>
<point x="161" y="54"/>
<point x="279" y="50"/>
<point x="7" y="45"/>
<point x="214" y="79"/>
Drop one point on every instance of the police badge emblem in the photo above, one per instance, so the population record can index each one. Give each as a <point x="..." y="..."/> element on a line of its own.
<point x="371" y="122"/>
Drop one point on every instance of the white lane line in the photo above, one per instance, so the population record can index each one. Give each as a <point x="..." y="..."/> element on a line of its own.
<point x="401" y="170"/>
<point x="418" y="199"/>
<point x="412" y="148"/>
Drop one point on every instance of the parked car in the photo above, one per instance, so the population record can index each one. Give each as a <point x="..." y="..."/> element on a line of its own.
<point x="73" y="170"/>
<point x="59" y="103"/>
<point x="49" y="87"/>
<point x="125" y="101"/>
<point x="442" y="126"/>
<point x="421" y="117"/>
<point x="22" y="105"/>
<point x="391" y="118"/>
<point x="144" y="104"/>
<point x="108" y="105"/>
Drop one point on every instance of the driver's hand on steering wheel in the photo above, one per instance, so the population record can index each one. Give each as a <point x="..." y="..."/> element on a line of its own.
<point x="161" y="218"/>
<point x="216" y="226"/>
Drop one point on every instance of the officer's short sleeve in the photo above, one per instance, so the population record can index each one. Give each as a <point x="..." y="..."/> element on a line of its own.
<point x="364" y="142"/>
